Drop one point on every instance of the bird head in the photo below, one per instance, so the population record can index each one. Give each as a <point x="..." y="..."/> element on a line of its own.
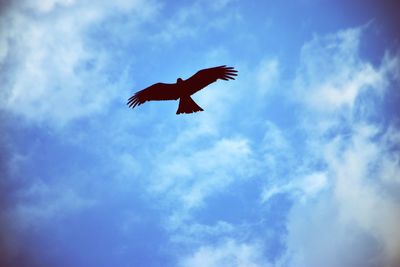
<point x="179" y="80"/>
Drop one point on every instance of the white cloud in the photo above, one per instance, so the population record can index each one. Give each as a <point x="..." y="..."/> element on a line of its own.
<point x="316" y="237"/>
<point x="345" y="210"/>
<point x="54" y="72"/>
<point x="188" y="172"/>
<point x="274" y="145"/>
<point x="357" y="214"/>
<point x="361" y="200"/>
<point x="304" y="187"/>
<point x="193" y="19"/>
<point x="331" y="75"/>
<point x="190" y="176"/>
<point x="354" y="222"/>
<point x="227" y="253"/>
<point x="267" y="75"/>
<point x="348" y="206"/>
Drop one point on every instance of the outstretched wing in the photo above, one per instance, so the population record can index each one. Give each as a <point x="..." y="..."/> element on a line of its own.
<point x="207" y="76"/>
<point x="158" y="91"/>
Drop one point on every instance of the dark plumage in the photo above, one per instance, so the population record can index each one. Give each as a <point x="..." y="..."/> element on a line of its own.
<point x="183" y="89"/>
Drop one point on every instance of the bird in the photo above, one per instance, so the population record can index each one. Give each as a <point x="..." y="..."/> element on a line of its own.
<point x="183" y="89"/>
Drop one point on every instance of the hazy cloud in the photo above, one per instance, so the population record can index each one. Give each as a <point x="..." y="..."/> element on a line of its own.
<point x="227" y="253"/>
<point x="357" y="210"/>
<point x="52" y="68"/>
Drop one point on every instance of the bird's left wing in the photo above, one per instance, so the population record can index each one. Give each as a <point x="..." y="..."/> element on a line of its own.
<point x="207" y="76"/>
<point x="158" y="91"/>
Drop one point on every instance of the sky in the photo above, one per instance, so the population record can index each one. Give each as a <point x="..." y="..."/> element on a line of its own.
<point x="296" y="163"/>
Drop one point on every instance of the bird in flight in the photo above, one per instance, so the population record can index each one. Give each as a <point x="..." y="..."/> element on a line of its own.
<point x="183" y="89"/>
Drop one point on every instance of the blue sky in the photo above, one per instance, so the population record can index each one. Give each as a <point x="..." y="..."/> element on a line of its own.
<point x="294" y="164"/>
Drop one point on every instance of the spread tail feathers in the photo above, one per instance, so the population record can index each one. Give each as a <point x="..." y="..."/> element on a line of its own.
<point x="187" y="105"/>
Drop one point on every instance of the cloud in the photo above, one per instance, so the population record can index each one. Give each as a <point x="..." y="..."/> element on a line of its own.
<point x="362" y="199"/>
<point x="267" y="75"/>
<point x="302" y="188"/>
<point x="332" y="75"/>
<point x="227" y="253"/>
<point x="340" y="171"/>
<point x="191" y="20"/>
<point x="358" y="213"/>
<point x="53" y="67"/>
<point x="355" y="216"/>
<point x="190" y="176"/>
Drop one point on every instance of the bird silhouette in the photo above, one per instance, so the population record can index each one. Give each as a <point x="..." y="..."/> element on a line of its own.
<point x="183" y="89"/>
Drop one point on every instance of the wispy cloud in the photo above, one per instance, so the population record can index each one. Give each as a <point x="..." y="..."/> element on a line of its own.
<point x="52" y="66"/>
<point x="268" y="75"/>
<point x="266" y="176"/>
<point x="332" y="75"/>
<point x="190" y="20"/>
<point x="358" y="209"/>
<point x="227" y="253"/>
<point x="191" y="177"/>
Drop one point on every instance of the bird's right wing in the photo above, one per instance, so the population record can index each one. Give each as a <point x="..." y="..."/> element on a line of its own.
<point x="158" y="91"/>
<point x="207" y="76"/>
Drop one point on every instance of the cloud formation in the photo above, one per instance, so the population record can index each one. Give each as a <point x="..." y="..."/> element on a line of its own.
<point x="289" y="165"/>
<point x="343" y="182"/>
<point x="53" y="66"/>
<point x="358" y="208"/>
<point x="228" y="253"/>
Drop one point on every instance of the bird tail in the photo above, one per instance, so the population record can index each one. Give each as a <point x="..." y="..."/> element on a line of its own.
<point x="187" y="105"/>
